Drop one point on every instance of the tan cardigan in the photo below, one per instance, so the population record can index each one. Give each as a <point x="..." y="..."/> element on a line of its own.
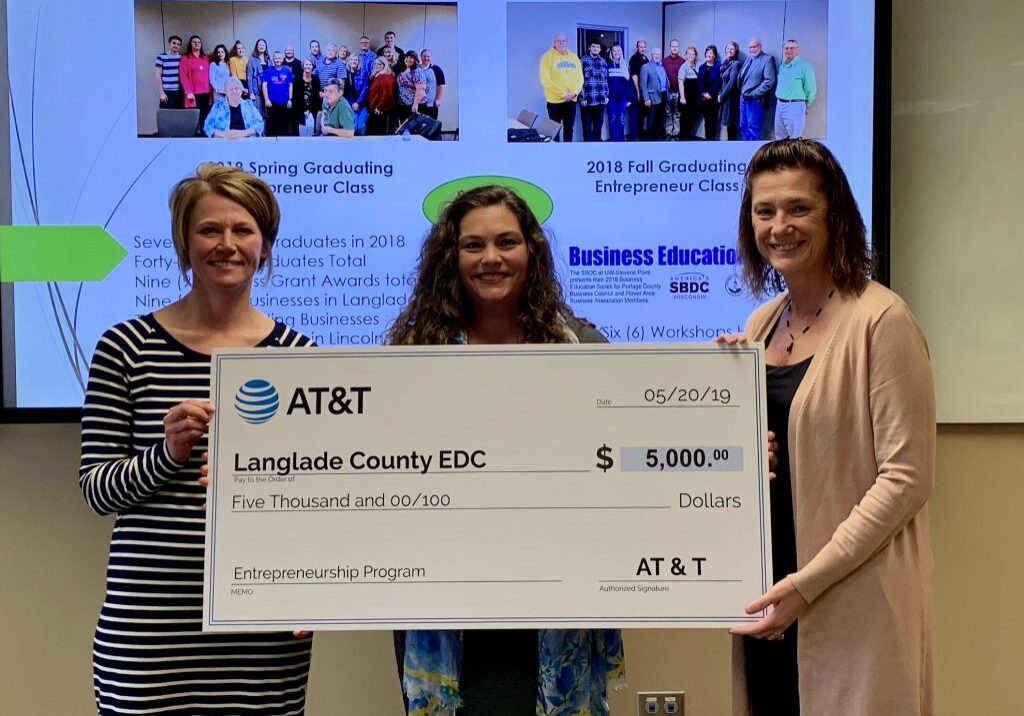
<point x="862" y="452"/>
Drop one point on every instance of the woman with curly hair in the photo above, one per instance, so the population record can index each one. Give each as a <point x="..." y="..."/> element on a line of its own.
<point x="486" y="276"/>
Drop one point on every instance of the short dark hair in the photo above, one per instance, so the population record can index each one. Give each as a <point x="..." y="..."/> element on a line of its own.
<point x="849" y="259"/>
<point x="174" y="37"/>
<point x="389" y="32"/>
<point x="312" y="41"/>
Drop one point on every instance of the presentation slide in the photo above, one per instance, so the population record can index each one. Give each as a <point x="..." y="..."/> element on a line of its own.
<point x="637" y="181"/>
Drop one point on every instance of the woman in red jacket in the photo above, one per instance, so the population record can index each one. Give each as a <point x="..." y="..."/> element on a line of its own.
<point x="195" y="78"/>
<point x="382" y="99"/>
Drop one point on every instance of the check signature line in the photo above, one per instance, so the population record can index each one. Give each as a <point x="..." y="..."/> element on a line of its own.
<point x="662" y="581"/>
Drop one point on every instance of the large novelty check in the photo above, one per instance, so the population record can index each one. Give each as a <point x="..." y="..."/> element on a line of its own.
<point x="463" y="486"/>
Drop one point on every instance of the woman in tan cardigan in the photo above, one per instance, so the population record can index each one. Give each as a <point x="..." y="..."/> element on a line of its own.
<point x="847" y="628"/>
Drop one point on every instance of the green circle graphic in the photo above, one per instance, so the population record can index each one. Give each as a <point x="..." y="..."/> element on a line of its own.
<point x="537" y="199"/>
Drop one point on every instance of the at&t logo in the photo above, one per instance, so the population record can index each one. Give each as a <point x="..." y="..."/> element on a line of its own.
<point x="257" y="401"/>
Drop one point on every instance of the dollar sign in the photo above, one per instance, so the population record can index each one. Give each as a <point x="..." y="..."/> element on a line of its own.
<point x="604" y="457"/>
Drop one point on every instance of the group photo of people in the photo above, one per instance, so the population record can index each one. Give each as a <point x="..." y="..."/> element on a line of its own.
<point x="667" y="71"/>
<point x="226" y="70"/>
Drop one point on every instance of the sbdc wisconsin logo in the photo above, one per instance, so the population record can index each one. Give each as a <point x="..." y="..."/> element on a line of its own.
<point x="689" y="286"/>
<point x="257" y="401"/>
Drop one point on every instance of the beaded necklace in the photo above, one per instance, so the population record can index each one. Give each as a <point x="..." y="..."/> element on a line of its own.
<point x="793" y="338"/>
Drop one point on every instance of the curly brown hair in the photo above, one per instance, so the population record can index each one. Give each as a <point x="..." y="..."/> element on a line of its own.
<point x="849" y="258"/>
<point x="440" y="308"/>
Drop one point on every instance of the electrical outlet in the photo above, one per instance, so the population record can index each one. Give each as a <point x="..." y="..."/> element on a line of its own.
<point x="660" y="702"/>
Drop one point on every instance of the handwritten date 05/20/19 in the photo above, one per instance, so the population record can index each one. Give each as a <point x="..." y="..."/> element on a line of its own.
<point x="705" y="395"/>
<point x="671" y="566"/>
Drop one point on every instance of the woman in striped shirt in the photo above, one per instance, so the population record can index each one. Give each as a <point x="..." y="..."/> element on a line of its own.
<point x="144" y="429"/>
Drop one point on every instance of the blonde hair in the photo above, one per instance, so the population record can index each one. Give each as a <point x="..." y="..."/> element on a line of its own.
<point x="245" y="189"/>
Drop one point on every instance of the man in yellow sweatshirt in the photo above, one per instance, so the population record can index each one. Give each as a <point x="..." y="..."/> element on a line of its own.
<point x="561" y="76"/>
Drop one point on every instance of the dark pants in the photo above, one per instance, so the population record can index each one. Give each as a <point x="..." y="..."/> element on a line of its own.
<point x="379" y="124"/>
<point x="656" y="120"/>
<point x="689" y="109"/>
<point x="203" y="103"/>
<point x="672" y="115"/>
<point x="296" y="119"/>
<point x="773" y="684"/>
<point x="499" y="671"/>
<point x="278" y="120"/>
<point x="637" y="130"/>
<point x="564" y="112"/>
<point x="174" y="98"/>
<point x="404" y="111"/>
<point x="593" y="122"/>
<point x="709" y="109"/>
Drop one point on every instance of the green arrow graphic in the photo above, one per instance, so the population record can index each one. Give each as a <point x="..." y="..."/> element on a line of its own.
<point x="57" y="253"/>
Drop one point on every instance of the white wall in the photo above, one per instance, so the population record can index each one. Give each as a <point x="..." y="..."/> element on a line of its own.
<point x="279" y="23"/>
<point x="532" y="25"/>
<point x="957" y="246"/>
<point x="806" y="21"/>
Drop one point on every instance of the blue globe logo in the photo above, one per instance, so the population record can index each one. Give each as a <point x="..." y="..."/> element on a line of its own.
<point x="257" y="401"/>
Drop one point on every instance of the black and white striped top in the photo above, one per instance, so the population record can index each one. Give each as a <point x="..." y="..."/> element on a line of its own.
<point x="149" y="653"/>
